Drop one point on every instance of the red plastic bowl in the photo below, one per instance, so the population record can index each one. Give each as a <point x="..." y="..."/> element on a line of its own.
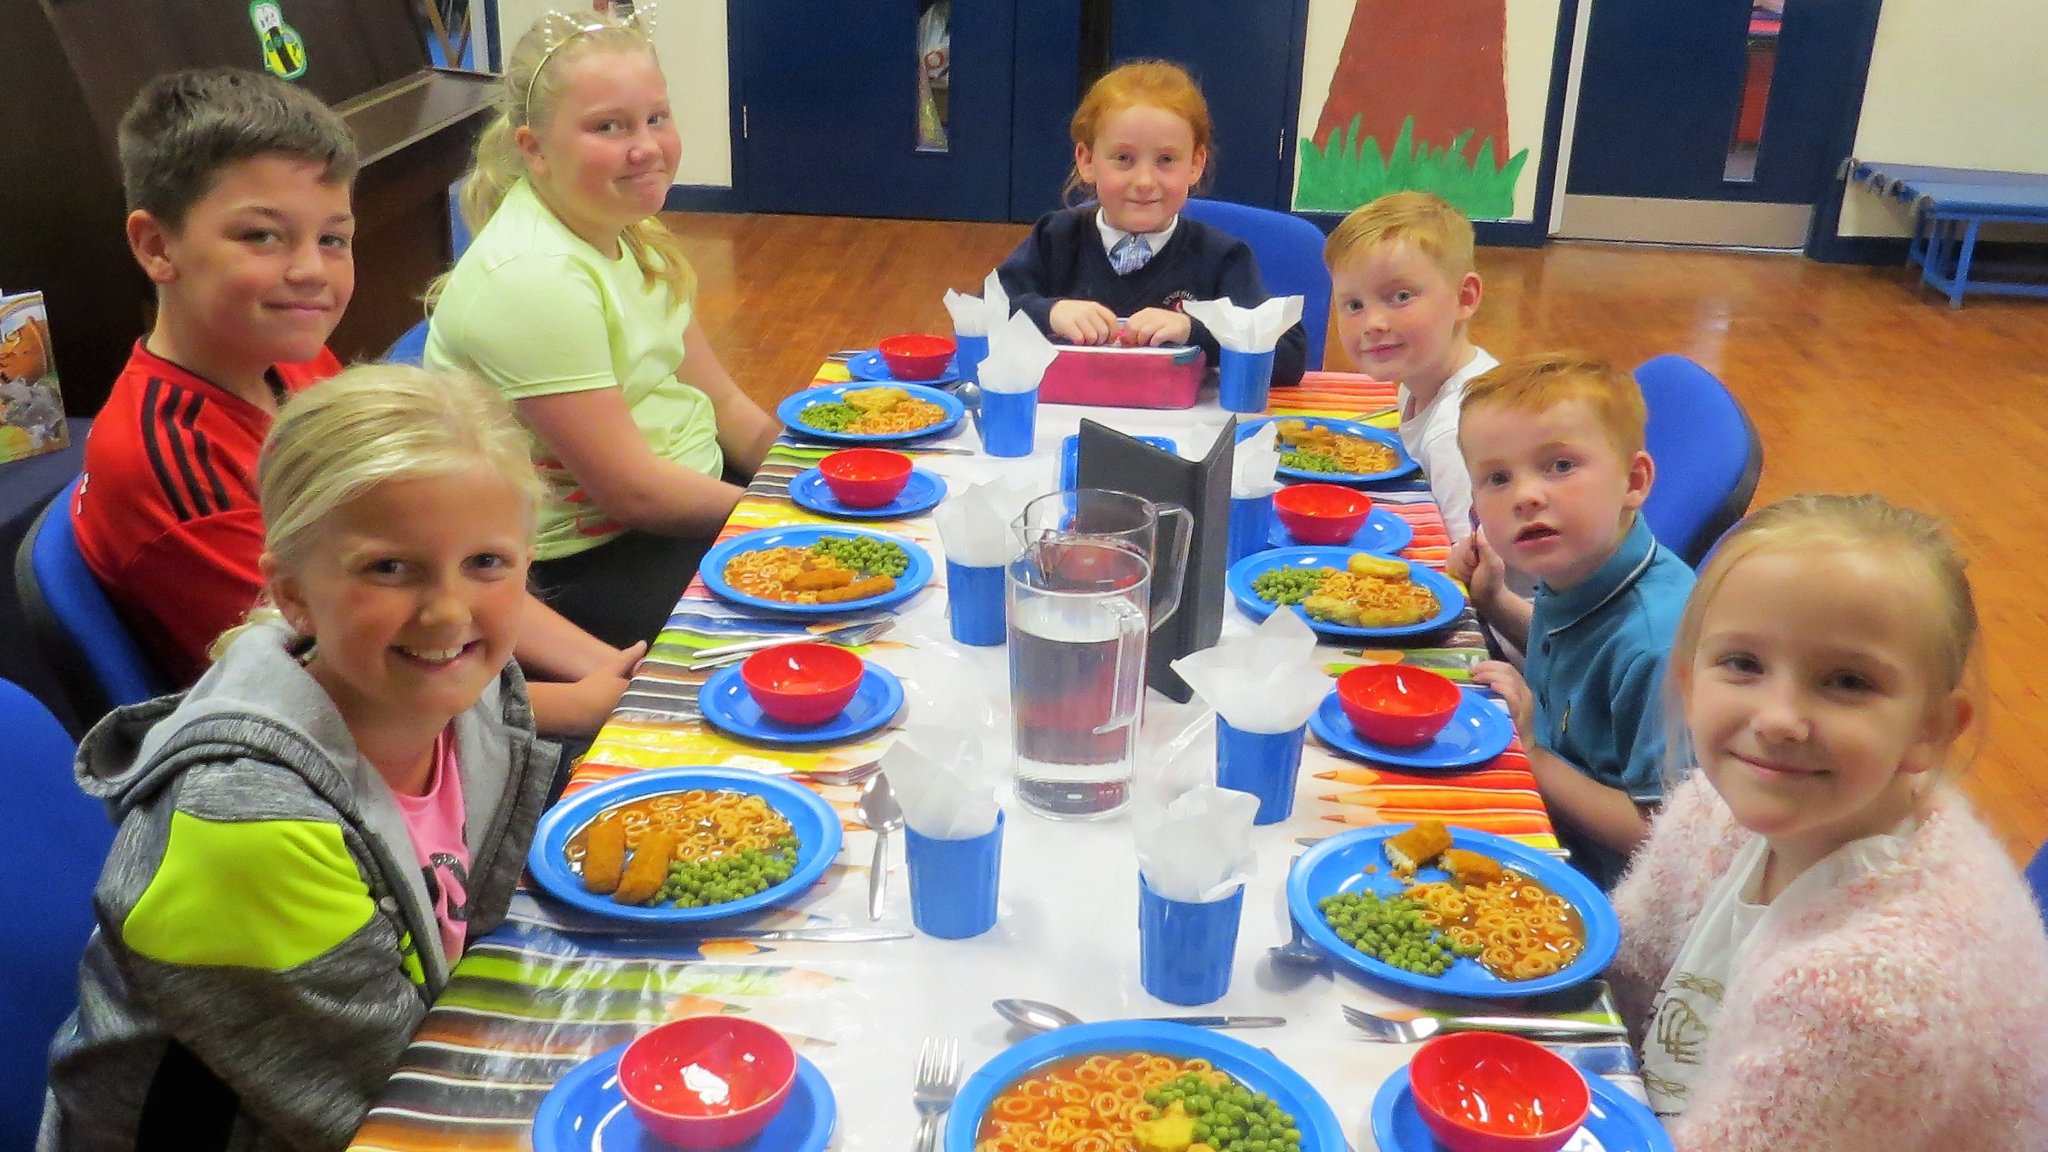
<point x="1397" y="705"/>
<point x="802" y="683"/>
<point x="1488" y="1092"/>
<point x="916" y="356"/>
<point x="707" y="1082"/>
<point x="865" y="477"/>
<point x="1321" y="513"/>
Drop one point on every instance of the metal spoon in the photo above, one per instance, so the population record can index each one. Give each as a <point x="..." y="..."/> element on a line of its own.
<point x="1039" y="1016"/>
<point x="1297" y="950"/>
<point x="880" y="812"/>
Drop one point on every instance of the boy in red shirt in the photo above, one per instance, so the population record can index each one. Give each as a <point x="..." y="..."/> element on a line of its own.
<point x="238" y="188"/>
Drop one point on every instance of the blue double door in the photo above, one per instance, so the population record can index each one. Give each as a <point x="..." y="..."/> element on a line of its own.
<point x="838" y="100"/>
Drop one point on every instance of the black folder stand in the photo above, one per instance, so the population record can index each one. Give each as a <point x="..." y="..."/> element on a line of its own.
<point x="1110" y="459"/>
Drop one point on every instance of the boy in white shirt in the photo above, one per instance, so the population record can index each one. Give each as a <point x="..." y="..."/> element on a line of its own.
<point x="1402" y="275"/>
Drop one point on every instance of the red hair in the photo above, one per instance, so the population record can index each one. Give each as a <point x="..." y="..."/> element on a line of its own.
<point x="1159" y="84"/>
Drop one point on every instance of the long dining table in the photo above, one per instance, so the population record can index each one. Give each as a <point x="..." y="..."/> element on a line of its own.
<point x="553" y="987"/>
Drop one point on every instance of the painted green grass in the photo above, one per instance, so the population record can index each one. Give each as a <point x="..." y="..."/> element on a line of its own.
<point x="1343" y="173"/>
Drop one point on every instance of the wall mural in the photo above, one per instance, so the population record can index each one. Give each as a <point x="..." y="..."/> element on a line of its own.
<point x="1418" y="100"/>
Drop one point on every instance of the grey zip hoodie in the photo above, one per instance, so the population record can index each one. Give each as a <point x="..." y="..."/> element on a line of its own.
<point x="265" y="945"/>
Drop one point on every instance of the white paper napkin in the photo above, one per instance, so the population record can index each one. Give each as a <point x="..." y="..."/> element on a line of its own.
<point x="1265" y="682"/>
<point x="1246" y="329"/>
<point x="1018" y="355"/>
<point x="1199" y="847"/>
<point x="1254" y="470"/>
<point x="976" y="317"/>
<point x="974" y="524"/>
<point x="944" y="783"/>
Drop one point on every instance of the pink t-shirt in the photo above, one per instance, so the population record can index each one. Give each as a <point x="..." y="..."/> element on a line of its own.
<point x="435" y="823"/>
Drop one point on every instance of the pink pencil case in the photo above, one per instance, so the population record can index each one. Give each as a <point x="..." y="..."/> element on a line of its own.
<point x="1114" y="377"/>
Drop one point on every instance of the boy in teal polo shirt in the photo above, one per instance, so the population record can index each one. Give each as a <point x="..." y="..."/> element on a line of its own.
<point x="1554" y="445"/>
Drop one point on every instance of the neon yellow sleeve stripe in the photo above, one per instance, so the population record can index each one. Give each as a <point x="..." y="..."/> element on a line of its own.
<point x="268" y="894"/>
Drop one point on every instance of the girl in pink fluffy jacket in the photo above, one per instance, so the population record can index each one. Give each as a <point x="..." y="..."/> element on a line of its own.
<point x="1822" y="948"/>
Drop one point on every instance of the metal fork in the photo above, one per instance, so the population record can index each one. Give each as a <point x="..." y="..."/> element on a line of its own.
<point x="1395" y="1031"/>
<point x="938" y="1078"/>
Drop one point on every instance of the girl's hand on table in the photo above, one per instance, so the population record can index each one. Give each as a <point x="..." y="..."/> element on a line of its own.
<point x="580" y="707"/>
<point x="1507" y="683"/>
<point x="1083" y="322"/>
<point x="1150" y="327"/>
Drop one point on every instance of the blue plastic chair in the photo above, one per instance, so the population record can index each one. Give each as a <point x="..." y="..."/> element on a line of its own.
<point x="80" y="636"/>
<point x="2037" y="879"/>
<point x="1707" y="454"/>
<point x="1289" y="251"/>
<point x="50" y="858"/>
<point x="410" y="348"/>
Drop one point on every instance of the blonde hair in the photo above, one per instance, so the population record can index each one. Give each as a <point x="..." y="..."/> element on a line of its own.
<point x="1158" y="84"/>
<point x="528" y="96"/>
<point x="1541" y="381"/>
<point x="370" y="424"/>
<point x="1867" y="524"/>
<point x="1423" y="219"/>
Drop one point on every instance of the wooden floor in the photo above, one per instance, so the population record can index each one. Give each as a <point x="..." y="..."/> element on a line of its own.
<point x="1856" y="379"/>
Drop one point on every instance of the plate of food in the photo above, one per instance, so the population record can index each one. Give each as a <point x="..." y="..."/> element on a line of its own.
<point x="679" y="845"/>
<point x="1346" y="592"/>
<point x="869" y="365"/>
<point x="870" y="413"/>
<point x="1491" y="918"/>
<point x="1146" y="1085"/>
<point x="816" y="570"/>
<point x="1335" y="451"/>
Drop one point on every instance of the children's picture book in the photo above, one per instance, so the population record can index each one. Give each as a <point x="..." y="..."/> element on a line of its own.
<point x="31" y="407"/>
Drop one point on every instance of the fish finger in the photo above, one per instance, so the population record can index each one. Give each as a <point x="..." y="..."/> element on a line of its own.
<point x="604" y="856"/>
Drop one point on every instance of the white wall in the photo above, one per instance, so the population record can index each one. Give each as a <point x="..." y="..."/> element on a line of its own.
<point x="1530" y="54"/>
<point x="1957" y="83"/>
<point x="690" y="37"/>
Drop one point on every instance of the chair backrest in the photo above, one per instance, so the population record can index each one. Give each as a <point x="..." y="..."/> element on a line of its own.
<point x="2037" y="879"/>
<point x="81" y="637"/>
<point x="50" y="858"/>
<point x="410" y="348"/>
<point x="1707" y="454"/>
<point x="1289" y="251"/>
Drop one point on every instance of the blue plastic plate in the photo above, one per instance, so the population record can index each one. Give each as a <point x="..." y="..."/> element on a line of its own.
<point x="1070" y="457"/>
<point x="817" y="832"/>
<point x="1479" y="730"/>
<point x="729" y="707"/>
<point x="1383" y="532"/>
<point x="790" y="408"/>
<point x="1617" y="1121"/>
<point x="1450" y="599"/>
<point x="1255" y="1068"/>
<point x="921" y="494"/>
<point x="869" y="365"/>
<point x="1337" y="865"/>
<point x="587" y="1112"/>
<point x="1403" y="463"/>
<point x="712" y="568"/>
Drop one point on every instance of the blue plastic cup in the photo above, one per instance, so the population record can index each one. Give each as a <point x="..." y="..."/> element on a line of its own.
<point x="1185" y="950"/>
<point x="974" y="603"/>
<point x="1251" y="526"/>
<point x="1009" y="422"/>
<point x="1242" y="379"/>
<point x="953" y="883"/>
<point x="968" y="353"/>
<point x="1263" y="764"/>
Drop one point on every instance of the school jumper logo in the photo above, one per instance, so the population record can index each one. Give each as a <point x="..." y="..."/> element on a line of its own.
<point x="284" y="52"/>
